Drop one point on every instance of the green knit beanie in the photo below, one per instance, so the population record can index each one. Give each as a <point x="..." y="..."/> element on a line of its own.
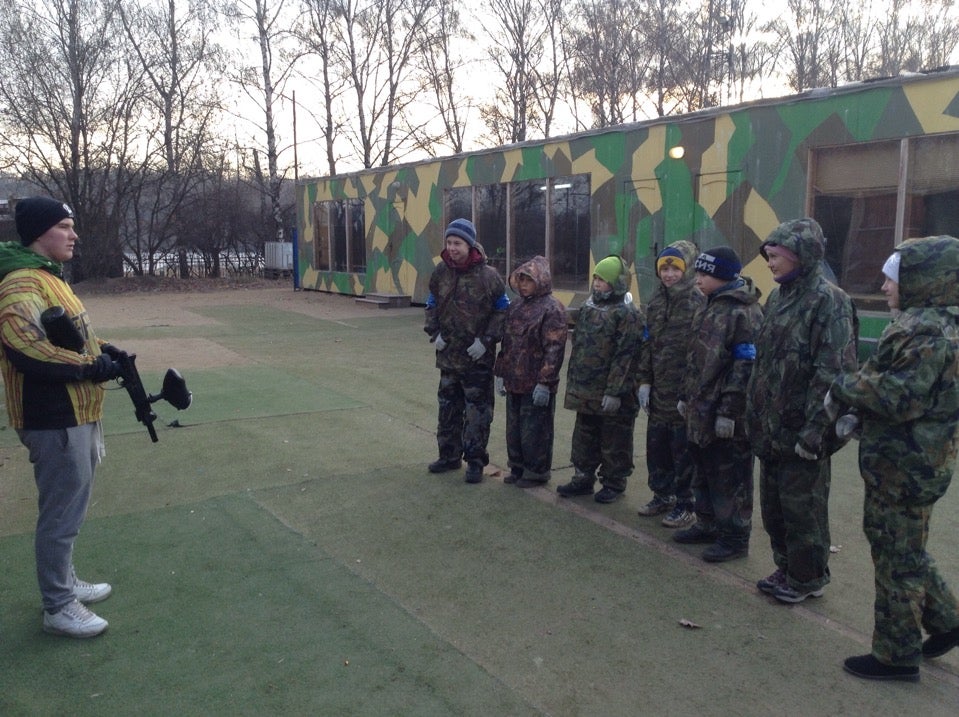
<point x="609" y="269"/>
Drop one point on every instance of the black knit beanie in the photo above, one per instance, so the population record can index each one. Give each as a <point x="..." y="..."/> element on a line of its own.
<point x="34" y="215"/>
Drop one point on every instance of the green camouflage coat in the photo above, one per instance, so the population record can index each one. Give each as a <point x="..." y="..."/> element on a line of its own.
<point x="534" y="342"/>
<point x="605" y="349"/>
<point x="720" y="360"/>
<point x="808" y="338"/>
<point x="463" y="304"/>
<point x="669" y="318"/>
<point x="907" y="393"/>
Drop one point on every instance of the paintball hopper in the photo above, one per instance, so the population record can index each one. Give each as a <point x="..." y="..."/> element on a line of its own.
<point x="174" y="391"/>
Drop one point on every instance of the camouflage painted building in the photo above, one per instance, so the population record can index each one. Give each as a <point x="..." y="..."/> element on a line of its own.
<point x="873" y="162"/>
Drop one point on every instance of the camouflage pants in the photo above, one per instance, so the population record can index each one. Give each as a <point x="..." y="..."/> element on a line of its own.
<point x="465" y="414"/>
<point x="910" y="592"/>
<point x="723" y="489"/>
<point x="794" y="499"/>
<point x="604" y="442"/>
<point x="529" y="436"/>
<point x="668" y="461"/>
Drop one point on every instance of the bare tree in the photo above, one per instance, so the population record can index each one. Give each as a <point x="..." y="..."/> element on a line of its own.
<point x="441" y="65"/>
<point x="319" y="39"/>
<point x="515" y="32"/>
<point x="264" y="84"/>
<point x="375" y="44"/>
<point x="610" y="60"/>
<point x="171" y="42"/>
<point x="805" y="30"/>
<point x="71" y="116"/>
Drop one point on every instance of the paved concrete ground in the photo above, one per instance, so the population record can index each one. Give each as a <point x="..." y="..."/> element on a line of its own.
<point x="285" y="552"/>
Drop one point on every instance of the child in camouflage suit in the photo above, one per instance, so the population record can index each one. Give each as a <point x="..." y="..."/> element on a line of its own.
<point x="600" y="385"/>
<point x="662" y="368"/>
<point x="808" y="338"/>
<point x="465" y="311"/>
<point x="713" y="402"/>
<point x="907" y="398"/>
<point x="527" y="372"/>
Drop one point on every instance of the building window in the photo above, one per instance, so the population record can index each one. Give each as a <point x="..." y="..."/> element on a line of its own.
<point x="517" y="221"/>
<point x="340" y="231"/>
<point x="870" y="197"/>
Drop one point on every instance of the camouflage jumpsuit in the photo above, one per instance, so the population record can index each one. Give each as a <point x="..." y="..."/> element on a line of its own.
<point x="808" y="337"/>
<point x="719" y="362"/>
<point x="532" y="352"/>
<point x="606" y="342"/>
<point x="662" y="365"/>
<point x="465" y="303"/>
<point x="907" y="397"/>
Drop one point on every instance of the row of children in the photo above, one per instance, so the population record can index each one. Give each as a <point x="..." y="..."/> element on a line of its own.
<point x="724" y="380"/>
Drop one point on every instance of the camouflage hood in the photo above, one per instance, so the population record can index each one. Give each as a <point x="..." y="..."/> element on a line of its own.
<point x="804" y="238"/>
<point x="537" y="269"/>
<point x="929" y="272"/>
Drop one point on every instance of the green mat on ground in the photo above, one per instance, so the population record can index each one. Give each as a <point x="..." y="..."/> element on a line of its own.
<point x="220" y="609"/>
<point x="227" y="394"/>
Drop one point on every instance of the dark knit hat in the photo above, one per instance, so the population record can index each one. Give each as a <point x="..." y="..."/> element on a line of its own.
<point x="464" y="229"/>
<point x="34" y="215"/>
<point x="721" y="262"/>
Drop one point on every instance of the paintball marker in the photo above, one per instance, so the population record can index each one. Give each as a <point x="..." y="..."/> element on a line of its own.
<point x="62" y="332"/>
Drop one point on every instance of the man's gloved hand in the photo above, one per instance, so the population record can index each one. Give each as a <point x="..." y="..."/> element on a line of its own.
<point x="681" y="408"/>
<point x="846" y="426"/>
<point x="803" y="453"/>
<point x="499" y="385"/>
<point x="642" y="395"/>
<point x="610" y="404"/>
<point x="102" y="369"/>
<point x="112" y="351"/>
<point x="476" y="349"/>
<point x="725" y="427"/>
<point x="831" y="406"/>
<point x="439" y="343"/>
<point x="540" y="395"/>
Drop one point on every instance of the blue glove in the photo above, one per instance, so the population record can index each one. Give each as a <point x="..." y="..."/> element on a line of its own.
<point x="540" y="395"/>
<point x="440" y="343"/>
<point x="476" y="349"/>
<point x="681" y="408"/>
<point x="499" y="385"/>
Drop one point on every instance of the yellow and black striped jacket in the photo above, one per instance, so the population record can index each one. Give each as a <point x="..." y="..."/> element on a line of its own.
<point x="42" y="381"/>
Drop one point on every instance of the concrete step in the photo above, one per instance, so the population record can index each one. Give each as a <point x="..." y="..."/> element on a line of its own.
<point x="385" y="301"/>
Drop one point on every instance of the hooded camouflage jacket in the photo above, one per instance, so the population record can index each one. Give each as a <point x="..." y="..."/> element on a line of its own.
<point x="720" y="359"/>
<point x="808" y="337"/>
<point x="669" y="316"/>
<point x="534" y="342"/>
<point x="606" y="341"/>
<point x="907" y="392"/>
<point x="466" y="303"/>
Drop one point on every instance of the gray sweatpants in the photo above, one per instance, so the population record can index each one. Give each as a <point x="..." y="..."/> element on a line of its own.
<point x="63" y="464"/>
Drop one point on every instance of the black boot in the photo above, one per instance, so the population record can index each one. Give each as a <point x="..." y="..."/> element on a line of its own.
<point x="869" y="668"/>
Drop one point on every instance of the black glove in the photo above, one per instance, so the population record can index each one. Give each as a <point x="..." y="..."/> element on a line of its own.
<point x="102" y="369"/>
<point x="112" y="351"/>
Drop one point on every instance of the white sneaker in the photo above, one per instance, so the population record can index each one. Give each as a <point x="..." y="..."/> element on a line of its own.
<point x="89" y="593"/>
<point x="73" y="620"/>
